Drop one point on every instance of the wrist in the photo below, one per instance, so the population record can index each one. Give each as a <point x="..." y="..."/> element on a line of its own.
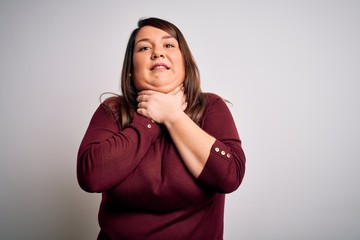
<point x="174" y="119"/>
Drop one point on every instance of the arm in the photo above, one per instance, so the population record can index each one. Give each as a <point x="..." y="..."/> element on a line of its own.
<point x="213" y="153"/>
<point x="108" y="154"/>
<point x="225" y="167"/>
<point x="191" y="141"/>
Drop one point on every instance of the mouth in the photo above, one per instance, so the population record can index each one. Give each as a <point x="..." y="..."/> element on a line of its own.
<point x="159" y="66"/>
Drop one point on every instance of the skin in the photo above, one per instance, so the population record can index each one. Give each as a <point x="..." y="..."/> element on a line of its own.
<point x="154" y="46"/>
<point x="161" y="97"/>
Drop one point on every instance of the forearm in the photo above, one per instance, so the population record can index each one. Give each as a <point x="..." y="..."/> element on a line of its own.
<point x="192" y="142"/>
<point x="212" y="152"/>
<point x="107" y="154"/>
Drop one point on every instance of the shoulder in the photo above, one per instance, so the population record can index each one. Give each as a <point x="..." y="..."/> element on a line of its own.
<point x="216" y="112"/>
<point x="216" y="103"/>
<point x="211" y="98"/>
<point x="112" y="105"/>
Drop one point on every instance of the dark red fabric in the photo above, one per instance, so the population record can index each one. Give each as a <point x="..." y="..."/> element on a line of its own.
<point x="147" y="191"/>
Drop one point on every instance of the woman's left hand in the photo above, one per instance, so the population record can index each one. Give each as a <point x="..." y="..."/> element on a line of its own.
<point x="162" y="107"/>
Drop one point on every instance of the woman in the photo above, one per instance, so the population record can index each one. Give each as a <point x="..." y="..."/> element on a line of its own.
<point x="163" y="154"/>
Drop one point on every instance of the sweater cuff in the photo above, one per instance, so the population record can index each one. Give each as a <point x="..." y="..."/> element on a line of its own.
<point x="217" y="166"/>
<point x="149" y="126"/>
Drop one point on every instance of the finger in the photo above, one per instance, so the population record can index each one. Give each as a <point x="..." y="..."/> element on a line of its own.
<point x="146" y="92"/>
<point x="142" y="98"/>
<point x="141" y="111"/>
<point x="139" y="98"/>
<point x="141" y="105"/>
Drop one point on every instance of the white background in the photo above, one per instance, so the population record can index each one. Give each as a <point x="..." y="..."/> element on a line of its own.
<point x="290" y="68"/>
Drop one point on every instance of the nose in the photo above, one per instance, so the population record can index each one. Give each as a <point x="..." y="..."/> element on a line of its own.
<point x="157" y="53"/>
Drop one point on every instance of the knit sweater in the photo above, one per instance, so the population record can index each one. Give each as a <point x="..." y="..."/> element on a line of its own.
<point x="147" y="191"/>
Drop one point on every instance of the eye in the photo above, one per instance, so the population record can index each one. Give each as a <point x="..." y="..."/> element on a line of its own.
<point x="169" y="45"/>
<point x="142" y="49"/>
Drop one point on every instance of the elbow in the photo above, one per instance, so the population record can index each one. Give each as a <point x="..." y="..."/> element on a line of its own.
<point x="233" y="180"/>
<point x="88" y="183"/>
<point x="87" y="186"/>
<point x="231" y="184"/>
<point x="88" y="178"/>
<point x="224" y="178"/>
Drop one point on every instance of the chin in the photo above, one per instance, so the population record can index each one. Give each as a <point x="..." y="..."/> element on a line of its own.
<point x="167" y="89"/>
<point x="163" y="88"/>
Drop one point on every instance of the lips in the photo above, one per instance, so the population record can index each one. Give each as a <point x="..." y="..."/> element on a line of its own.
<point x="159" y="66"/>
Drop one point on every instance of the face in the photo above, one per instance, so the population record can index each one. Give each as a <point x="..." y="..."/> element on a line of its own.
<point x="157" y="61"/>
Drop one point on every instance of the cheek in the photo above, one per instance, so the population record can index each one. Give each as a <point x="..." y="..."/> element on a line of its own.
<point x="139" y="62"/>
<point x="181" y="70"/>
<point x="136" y="64"/>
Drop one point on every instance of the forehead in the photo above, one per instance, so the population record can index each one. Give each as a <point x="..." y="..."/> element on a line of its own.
<point x="149" y="33"/>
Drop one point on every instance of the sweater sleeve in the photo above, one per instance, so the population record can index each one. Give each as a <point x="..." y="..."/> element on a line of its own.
<point x="108" y="154"/>
<point x="225" y="167"/>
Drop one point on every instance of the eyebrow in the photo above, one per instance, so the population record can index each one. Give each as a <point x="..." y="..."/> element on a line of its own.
<point x="148" y="40"/>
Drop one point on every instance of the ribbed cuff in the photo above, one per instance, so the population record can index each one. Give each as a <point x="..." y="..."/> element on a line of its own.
<point x="147" y="125"/>
<point x="216" y="168"/>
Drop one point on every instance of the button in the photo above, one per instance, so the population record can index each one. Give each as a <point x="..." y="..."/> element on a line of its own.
<point x="228" y="155"/>
<point x="149" y="126"/>
<point x="223" y="153"/>
<point x="217" y="149"/>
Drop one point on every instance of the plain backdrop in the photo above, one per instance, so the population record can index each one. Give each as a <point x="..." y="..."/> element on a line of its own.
<point x="290" y="68"/>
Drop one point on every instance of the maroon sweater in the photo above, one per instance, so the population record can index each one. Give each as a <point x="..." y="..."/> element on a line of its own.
<point x="147" y="191"/>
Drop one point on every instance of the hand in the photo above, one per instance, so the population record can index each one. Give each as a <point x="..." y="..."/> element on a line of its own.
<point x="162" y="107"/>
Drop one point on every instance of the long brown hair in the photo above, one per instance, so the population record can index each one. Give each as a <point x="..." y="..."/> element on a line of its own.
<point x="192" y="89"/>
